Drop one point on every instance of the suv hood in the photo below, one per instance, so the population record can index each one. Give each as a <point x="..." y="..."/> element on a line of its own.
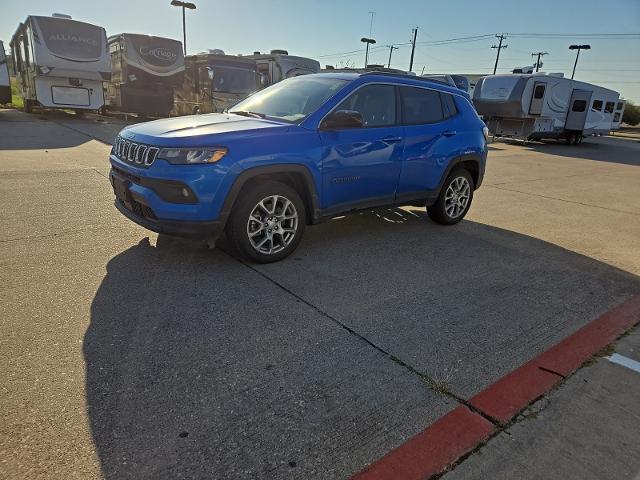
<point x="188" y="131"/>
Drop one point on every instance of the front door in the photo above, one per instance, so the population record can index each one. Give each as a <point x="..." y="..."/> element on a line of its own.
<point x="537" y="98"/>
<point x="361" y="166"/>
<point x="578" y="109"/>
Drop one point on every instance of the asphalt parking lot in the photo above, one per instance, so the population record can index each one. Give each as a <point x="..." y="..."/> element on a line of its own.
<point x="125" y="355"/>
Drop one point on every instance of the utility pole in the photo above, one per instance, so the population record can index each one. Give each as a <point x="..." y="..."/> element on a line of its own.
<point x="539" y="54"/>
<point x="413" y="47"/>
<point x="391" y="49"/>
<point x="499" y="47"/>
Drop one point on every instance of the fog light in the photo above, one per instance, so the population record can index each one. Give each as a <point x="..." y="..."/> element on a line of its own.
<point x="185" y="192"/>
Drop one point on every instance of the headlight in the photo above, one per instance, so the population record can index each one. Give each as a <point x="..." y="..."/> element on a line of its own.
<point x="185" y="156"/>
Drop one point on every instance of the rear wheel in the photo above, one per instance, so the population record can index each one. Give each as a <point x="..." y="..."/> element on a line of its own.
<point x="455" y="198"/>
<point x="267" y="222"/>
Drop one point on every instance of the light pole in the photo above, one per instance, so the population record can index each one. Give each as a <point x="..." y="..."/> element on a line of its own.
<point x="368" y="41"/>
<point x="184" y="5"/>
<point x="578" y="47"/>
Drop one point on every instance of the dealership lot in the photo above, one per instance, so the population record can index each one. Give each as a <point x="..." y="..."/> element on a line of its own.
<point x="126" y="355"/>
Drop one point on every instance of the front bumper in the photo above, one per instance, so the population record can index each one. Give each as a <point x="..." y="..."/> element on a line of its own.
<point x="203" y="230"/>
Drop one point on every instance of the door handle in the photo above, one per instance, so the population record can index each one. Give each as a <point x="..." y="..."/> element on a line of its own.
<point x="449" y="133"/>
<point x="392" y="139"/>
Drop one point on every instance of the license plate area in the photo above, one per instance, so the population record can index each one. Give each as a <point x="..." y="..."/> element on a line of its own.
<point x="121" y="189"/>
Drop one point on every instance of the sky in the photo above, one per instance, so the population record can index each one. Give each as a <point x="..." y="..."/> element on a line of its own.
<point x="330" y="31"/>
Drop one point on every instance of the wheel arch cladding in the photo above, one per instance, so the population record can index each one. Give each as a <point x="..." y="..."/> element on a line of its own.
<point x="296" y="176"/>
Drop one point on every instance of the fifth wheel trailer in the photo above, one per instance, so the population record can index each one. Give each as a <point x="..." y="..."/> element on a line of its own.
<point x="278" y="65"/>
<point x="5" y="84"/>
<point x="60" y="63"/>
<point x="144" y="72"/>
<point x="539" y="106"/>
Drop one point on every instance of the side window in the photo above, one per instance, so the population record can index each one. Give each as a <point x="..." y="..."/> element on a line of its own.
<point x="597" y="105"/>
<point x="579" y="106"/>
<point x="538" y="92"/>
<point x="420" y="106"/>
<point x="448" y="105"/>
<point x="376" y="104"/>
<point x="608" y="108"/>
<point x="619" y="106"/>
<point x="616" y="117"/>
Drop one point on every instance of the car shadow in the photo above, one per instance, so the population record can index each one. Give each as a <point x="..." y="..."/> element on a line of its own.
<point x="199" y="367"/>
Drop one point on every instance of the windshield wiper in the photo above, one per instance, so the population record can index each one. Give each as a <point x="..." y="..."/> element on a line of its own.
<point x="249" y="114"/>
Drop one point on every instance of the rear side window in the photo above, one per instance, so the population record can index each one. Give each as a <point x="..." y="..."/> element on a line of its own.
<point x="619" y="106"/>
<point x="448" y="105"/>
<point x="579" y="106"/>
<point x="376" y="104"/>
<point x="608" y="108"/>
<point x="420" y="106"/>
<point x="597" y="105"/>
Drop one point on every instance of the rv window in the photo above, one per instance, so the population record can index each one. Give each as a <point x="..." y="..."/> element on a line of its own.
<point x="608" y="108"/>
<point x="579" y="106"/>
<point x="448" y="105"/>
<point x="597" y="105"/>
<point x="420" y="106"/>
<point x="616" y="117"/>
<point x="620" y="106"/>
<point x="539" y="91"/>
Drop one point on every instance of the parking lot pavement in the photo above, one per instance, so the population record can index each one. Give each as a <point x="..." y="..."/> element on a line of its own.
<point x="585" y="430"/>
<point x="128" y="355"/>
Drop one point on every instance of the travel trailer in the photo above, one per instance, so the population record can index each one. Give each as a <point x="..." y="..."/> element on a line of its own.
<point x="539" y="106"/>
<point x="618" y="113"/>
<point x="278" y="65"/>
<point x="144" y="72"/>
<point x="5" y="84"/>
<point x="60" y="63"/>
<point x="214" y="82"/>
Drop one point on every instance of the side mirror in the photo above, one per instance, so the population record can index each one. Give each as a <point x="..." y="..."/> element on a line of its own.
<point x="342" y="119"/>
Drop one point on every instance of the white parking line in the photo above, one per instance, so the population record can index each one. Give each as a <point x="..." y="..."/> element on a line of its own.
<point x="625" y="362"/>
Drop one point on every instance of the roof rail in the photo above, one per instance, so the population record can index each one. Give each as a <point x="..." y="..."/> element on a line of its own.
<point x="406" y="75"/>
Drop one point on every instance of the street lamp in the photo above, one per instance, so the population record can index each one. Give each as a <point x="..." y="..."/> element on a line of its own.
<point x="578" y="47"/>
<point x="190" y="6"/>
<point x="368" y="41"/>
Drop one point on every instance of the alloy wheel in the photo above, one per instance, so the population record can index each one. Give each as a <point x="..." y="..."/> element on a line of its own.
<point x="272" y="224"/>
<point x="456" y="197"/>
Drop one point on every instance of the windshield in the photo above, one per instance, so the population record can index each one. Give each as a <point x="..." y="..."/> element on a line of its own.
<point x="291" y="100"/>
<point x="228" y="79"/>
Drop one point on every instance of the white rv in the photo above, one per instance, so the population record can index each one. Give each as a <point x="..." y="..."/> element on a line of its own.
<point x="618" y="113"/>
<point x="539" y="105"/>
<point x="278" y="65"/>
<point x="61" y="63"/>
<point x="5" y="84"/>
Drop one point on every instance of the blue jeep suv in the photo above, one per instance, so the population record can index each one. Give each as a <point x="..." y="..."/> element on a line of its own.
<point x="299" y="152"/>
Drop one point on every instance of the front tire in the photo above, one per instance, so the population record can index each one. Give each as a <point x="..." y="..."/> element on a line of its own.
<point x="454" y="200"/>
<point x="267" y="222"/>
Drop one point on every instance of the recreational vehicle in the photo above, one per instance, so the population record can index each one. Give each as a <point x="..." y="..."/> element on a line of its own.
<point x="144" y="72"/>
<point x="61" y="63"/>
<point x="618" y="113"/>
<point x="214" y="82"/>
<point x="537" y="106"/>
<point x="278" y="65"/>
<point x="5" y="84"/>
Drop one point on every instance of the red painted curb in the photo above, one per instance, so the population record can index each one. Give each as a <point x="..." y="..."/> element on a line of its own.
<point x="461" y="430"/>
<point x="430" y="451"/>
<point x="509" y="395"/>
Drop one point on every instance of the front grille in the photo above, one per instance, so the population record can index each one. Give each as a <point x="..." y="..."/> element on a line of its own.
<point x="135" y="153"/>
<point x="140" y="209"/>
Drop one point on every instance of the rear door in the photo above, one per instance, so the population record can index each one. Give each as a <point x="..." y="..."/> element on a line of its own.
<point x="431" y="123"/>
<point x="578" y="109"/>
<point x="360" y="166"/>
